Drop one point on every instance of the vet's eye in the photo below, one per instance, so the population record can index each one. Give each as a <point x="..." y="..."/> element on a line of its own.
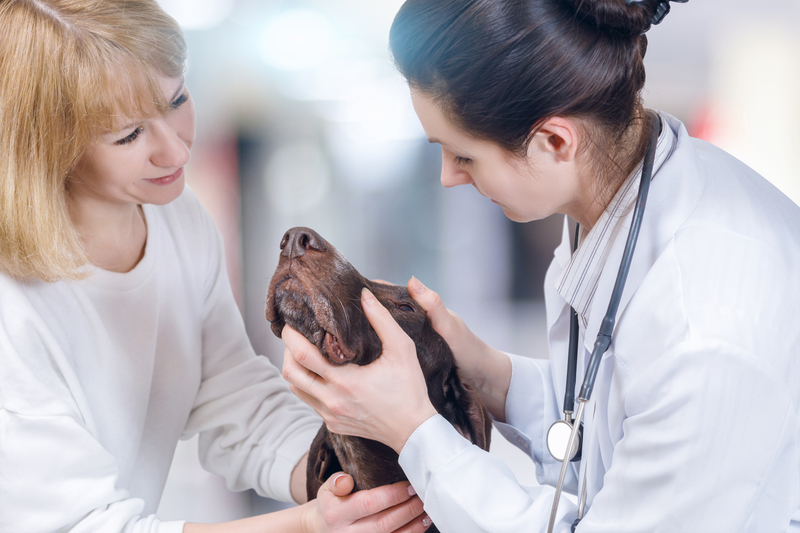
<point x="405" y="307"/>
<point x="179" y="101"/>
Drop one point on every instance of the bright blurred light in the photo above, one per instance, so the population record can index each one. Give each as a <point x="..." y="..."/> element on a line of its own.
<point x="198" y="14"/>
<point x="297" y="178"/>
<point x="299" y="39"/>
<point x="755" y="83"/>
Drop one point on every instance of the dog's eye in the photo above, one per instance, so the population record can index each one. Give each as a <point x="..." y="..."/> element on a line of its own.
<point x="405" y="307"/>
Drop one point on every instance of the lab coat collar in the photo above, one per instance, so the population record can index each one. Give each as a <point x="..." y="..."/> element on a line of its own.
<point x="672" y="198"/>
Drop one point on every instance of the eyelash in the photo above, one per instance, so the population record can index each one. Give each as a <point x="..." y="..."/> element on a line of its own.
<point x="132" y="137"/>
<point x="179" y="101"/>
<point x="461" y="160"/>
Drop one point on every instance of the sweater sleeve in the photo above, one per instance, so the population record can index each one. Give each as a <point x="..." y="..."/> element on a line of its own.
<point x="253" y="430"/>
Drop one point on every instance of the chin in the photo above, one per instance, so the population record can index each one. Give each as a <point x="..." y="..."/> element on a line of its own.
<point x="517" y="217"/>
<point x="166" y="194"/>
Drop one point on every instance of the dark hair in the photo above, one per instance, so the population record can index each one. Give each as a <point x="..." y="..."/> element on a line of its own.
<point x="500" y="68"/>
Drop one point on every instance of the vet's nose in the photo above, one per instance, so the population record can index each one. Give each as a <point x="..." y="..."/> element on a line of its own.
<point x="297" y="241"/>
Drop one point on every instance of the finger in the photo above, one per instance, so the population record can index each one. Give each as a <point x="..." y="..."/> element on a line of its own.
<point x="373" y="501"/>
<point x="406" y="516"/>
<point x="389" y="332"/>
<point x="340" y="484"/>
<point x="303" y="353"/>
<point x="418" y="525"/>
<point x="312" y="401"/>
<point x="430" y="302"/>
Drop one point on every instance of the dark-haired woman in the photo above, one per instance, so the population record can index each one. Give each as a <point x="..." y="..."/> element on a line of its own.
<point x="693" y="424"/>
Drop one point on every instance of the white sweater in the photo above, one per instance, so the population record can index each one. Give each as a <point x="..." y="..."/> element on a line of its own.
<point x="100" y="378"/>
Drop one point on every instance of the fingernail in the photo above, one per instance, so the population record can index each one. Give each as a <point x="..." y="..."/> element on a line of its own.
<point x="415" y="286"/>
<point x="367" y="296"/>
<point x="411" y="491"/>
<point x="337" y="479"/>
<point x="427" y="521"/>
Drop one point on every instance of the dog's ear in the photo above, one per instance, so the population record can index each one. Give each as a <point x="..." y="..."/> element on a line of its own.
<point x="477" y="427"/>
<point x="322" y="463"/>
<point x="481" y="422"/>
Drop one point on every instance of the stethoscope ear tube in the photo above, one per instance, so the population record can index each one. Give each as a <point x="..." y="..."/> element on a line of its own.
<point x="572" y="361"/>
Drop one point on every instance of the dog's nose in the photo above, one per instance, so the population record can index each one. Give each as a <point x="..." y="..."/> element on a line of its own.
<point x="297" y="241"/>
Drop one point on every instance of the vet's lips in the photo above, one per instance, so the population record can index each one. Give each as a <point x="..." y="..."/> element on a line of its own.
<point x="337" y="352"/>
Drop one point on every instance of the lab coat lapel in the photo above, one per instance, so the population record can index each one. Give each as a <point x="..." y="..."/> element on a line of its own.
<point x="674" y="192"/>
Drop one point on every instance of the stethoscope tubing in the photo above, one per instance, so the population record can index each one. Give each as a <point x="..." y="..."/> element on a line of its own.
<point x="603" y="340"/>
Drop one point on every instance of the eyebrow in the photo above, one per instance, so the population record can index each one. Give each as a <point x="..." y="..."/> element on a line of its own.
<point x="174" y="96"/>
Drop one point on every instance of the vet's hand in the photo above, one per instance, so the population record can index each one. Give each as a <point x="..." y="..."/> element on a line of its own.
<point x="392" y="508"/>
<point x="385" y="401"/>
<point x="484" y="368"/>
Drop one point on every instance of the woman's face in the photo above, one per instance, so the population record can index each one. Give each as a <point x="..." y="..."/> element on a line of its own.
<point x="142" y="162"/>
<point x="529" y="188"/>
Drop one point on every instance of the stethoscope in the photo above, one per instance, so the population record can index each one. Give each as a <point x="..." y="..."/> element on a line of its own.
<point x="565" y="434"/>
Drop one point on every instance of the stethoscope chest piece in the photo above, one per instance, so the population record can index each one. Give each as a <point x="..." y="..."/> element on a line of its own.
<point x="558" y="440"/>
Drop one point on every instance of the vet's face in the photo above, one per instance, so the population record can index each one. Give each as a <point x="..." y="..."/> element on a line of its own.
<point x="529" y="188"/>
<point x="316" y="291"/>
<point x="143" y="161"/>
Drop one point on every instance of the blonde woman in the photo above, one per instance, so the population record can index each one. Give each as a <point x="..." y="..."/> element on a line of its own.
<point x="118" y="331"/>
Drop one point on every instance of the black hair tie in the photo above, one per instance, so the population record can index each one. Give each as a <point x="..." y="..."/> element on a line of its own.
<point x="660" y="12"/>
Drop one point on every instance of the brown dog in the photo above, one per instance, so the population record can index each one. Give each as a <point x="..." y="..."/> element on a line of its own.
<point x="317" y="291"/>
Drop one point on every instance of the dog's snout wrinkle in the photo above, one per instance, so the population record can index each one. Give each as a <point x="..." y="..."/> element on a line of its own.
<point x="297" y="241"/>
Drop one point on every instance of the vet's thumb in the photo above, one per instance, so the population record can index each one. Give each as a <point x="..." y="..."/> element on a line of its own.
<point x="340" y="484"/>
<point x="430" y="301"/>
<point x="389" y="332"/>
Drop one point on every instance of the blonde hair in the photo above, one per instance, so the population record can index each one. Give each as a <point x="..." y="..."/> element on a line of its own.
<point x="69" y="70"/>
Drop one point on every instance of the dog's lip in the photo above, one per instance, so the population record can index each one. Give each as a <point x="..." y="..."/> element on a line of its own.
<point x="336" y="351"/>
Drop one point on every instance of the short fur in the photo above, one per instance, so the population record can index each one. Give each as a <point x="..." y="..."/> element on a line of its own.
<point x="318" y="292"/>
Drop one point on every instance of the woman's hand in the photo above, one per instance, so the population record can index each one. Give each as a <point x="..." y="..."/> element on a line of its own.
<point x="386" y="400"/>
<point x="485" y="369"/>
<point x="388" y="509"/>
<point x="392" y="508"/>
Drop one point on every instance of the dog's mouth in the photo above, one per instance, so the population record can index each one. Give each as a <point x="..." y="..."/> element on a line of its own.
<point x="290" y="303"/>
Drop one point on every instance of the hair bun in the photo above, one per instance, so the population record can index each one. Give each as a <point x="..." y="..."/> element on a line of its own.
<point x="628" y="18"/>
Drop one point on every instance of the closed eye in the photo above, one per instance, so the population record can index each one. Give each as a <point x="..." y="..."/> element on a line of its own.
<point x="132" y="137"/>
<point x="179" y="101"/>
<point x="405" y="307"/>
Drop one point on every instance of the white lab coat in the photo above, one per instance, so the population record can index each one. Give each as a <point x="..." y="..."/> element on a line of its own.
<point x="693" y="425"/>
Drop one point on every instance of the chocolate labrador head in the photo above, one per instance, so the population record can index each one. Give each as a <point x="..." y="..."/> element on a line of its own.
<point x="316" y="291"/>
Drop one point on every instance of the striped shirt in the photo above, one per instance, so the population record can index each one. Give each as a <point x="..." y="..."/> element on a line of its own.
<point x="577" y="282"/>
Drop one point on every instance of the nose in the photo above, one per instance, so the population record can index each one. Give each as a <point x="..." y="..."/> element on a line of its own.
<point x="297" y="241"/>
<point x="172" y="151"/>
<point x="452" y="174"/>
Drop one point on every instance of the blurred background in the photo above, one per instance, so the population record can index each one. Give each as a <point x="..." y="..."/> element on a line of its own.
<point x="302" y="120"/>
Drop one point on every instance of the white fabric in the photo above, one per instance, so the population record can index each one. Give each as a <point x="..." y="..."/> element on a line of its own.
<point x="693" y="425"/>
<point x="100" y="378"/>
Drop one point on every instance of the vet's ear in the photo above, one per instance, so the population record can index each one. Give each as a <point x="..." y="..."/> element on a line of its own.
<point x="559" y="137"/>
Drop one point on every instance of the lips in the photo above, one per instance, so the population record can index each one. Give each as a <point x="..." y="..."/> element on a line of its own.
<point x="167" y="180"/>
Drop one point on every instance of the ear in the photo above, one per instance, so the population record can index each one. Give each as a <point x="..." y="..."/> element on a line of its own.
<point x="558" y="137"/>
<point x="322" y="463"/>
